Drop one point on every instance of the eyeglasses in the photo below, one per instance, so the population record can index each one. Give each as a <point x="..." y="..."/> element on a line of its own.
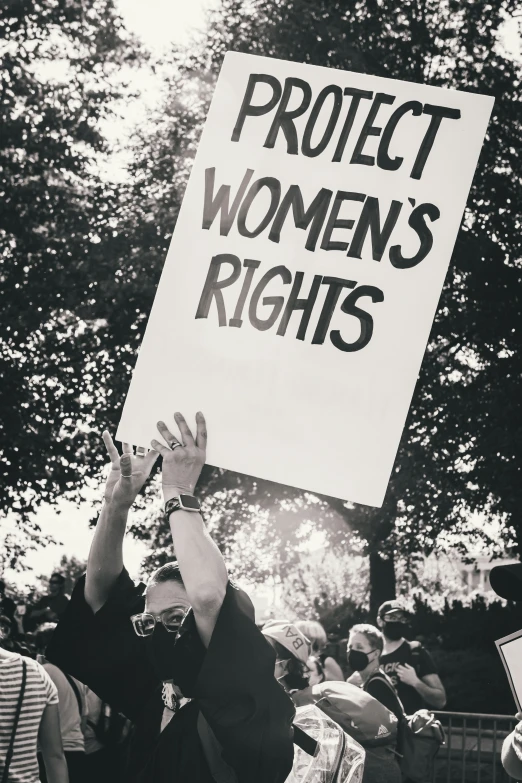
<point x="144" y="623"/>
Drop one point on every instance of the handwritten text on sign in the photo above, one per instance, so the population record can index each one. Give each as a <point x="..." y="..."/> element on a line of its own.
<point x="322" y="208"/>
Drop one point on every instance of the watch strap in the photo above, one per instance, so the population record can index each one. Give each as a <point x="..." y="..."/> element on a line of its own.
<point x="174" y="504"/>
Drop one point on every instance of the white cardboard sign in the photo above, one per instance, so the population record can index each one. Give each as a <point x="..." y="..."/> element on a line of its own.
<point x="305" y="269"/>
<point x="510" y="651"/>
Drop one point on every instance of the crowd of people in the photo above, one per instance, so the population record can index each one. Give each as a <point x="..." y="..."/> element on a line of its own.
<point x="174" y="680"/>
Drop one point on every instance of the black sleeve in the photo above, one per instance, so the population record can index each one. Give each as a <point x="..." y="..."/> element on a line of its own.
<point x="423" y="663"/>
<point x="384" y="693"/>
<point x="102" y="650"/>
<point x="246" y="708"/>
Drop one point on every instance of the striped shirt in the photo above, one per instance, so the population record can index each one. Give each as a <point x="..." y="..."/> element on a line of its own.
<point x="39" y="692"/>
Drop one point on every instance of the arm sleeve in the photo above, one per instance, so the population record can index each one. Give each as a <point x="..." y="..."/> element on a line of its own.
<point x="510" y="760"/>
<point x="246" y="708"/>
<point x="425" y="663"/>
<point x="102" y="650"/>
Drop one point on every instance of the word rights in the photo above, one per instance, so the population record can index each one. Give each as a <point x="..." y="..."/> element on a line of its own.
<point x="305" y="270"/>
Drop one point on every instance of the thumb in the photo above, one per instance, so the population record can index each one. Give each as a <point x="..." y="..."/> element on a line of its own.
<point x="126" y="467"/>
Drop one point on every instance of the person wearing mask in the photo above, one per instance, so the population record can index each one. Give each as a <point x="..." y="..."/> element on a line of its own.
<point x="71" y="708"/>
<point x="506" y="581"/>
<point x="322" y="666"/>
<point x="292" y="649"/>
<point x="7" y="605"/>
<point x="50" y="607"/>
<point x="28" y="717"/>
<point x="365" y="646"/>
<point x="181" y="657"/>
<point x="409" y="665"/>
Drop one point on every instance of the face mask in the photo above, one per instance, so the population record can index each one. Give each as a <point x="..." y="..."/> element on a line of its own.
<point x="358" y="660"/>
<point x="394" y="631"/>
<point x="175" y="658"/>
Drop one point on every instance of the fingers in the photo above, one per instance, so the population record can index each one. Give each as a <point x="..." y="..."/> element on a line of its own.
<point x="111" y="448"/>
<point x="159" y="447"/>
<point x="127" y="448"/>
<point x="201" y="435"/>
<point x="186" y="434"/>
<point x="166" y="433"/>
<point x="126" y="467"/>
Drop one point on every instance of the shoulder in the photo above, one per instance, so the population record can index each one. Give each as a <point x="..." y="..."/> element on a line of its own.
<point x="401" y="653"/>
<point x="419" y="652"/>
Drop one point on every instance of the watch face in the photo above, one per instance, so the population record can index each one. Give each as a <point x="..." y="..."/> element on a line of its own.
<point x="189" y="502"/>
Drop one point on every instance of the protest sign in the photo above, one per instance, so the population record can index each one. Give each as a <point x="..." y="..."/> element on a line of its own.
<point x="305" y="269"/>
<point x="510" y="650"/>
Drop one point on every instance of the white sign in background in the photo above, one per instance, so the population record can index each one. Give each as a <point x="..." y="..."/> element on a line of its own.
<point x="319" y="413"/>
<point x="510" y="651"/>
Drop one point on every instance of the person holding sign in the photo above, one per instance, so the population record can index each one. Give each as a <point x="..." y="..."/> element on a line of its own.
<point x="506" y="581"/>
<point x="182" y="658"/>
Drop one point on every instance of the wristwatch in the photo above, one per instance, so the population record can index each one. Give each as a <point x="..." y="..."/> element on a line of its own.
<point x="182" y="502"/>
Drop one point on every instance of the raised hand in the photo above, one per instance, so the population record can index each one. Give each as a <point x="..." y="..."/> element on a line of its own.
<point x="182" y="459"/>
<point x="128" y="473"/>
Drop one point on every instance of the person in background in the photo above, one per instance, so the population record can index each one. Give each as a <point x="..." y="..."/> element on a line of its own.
<point x="506" y="581"/>
<point x="25" y="682"/>
<point x="103" y="763"/>
<point x="7" y="605"/>
<point x="365" y="646"/>
<point x="71" y="708"/>
<point x="409" y="665"/>
<point x="322" y="666"/>
<point x="8" y="637"/>
<point x="292" y="649"/>
<point x="50" y="607"/>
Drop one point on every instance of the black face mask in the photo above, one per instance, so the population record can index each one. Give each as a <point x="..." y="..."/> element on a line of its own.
<point x="176" y="658"/>
<point x="358" y="660"/>
<point x="394" y="631"/>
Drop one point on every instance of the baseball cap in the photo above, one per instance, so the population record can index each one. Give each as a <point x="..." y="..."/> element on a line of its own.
<point x="506" y="581"/>
<point x="391" y="608"/>
<point x="290" y="637"/>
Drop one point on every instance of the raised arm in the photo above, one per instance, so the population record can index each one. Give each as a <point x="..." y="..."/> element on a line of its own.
<point x="201" y="564"/>
<point x="128" y="474"/>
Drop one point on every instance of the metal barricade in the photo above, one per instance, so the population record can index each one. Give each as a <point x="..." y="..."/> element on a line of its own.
<point x="473" y="747"/>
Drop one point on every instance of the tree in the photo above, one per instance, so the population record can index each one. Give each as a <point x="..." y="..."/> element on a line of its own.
<point x="60" y="70"/>
<point x="465" y="419"/>
<point x="70" y="567"/>
<point x="461" y="445"/>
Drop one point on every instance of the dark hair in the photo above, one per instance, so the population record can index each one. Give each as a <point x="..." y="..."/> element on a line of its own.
<point x="166" y="573"/>
<point x="58" y="578"/>
<point x="6" y="621"/>
<point x="43" y="635"/>
<point x="297" y="677"/>
<point x="2" y="585"/>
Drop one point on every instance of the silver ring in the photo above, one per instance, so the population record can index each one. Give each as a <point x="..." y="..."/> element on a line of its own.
<point x="124" y="476"/>
<point x="175" y="445"/>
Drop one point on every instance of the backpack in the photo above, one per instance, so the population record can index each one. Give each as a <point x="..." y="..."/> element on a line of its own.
<point x="361" y="716"/>
<point x="323" y="752"/>
<point x="338" y="758"/>
<point x="419" y="739"/>
<point x="112" y="728"/>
